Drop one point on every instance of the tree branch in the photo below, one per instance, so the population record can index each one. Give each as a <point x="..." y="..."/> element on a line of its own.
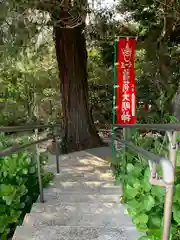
<point x="47" y="5"/>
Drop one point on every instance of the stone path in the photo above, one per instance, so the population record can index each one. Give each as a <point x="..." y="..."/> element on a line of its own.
<point x="82" y="203"/>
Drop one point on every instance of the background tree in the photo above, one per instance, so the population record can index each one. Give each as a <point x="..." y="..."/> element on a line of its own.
<point x="29" y="69"/>
<point x="156" y="24"/>
<point x="68" y="21"/>
<point x="158" y="32"/>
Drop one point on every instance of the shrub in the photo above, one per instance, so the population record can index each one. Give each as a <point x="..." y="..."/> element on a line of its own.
<point x="146" y="202"/>
<point x="18" y="189"/>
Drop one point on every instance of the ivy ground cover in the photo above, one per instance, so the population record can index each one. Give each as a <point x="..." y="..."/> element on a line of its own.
<point x="145" y="203"/>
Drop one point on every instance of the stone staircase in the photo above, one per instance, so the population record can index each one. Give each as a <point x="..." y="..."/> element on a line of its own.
<point x="82" y="203"/>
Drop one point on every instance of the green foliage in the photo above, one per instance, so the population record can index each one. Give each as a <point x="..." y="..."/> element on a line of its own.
<point x="146" y="202"/>
<point x="157" y="54"/>
<point x="30" y="80"/>
<point x="18" y="189"/>
<point x="158" y="74"/>
<point x="100" y="87"/>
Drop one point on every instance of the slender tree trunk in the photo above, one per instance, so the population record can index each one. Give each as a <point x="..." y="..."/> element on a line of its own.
<point x="175" y="105"/>
<point x="80" y="132"/>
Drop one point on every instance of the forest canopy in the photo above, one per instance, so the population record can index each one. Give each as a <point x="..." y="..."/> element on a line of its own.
<point x="42" y="41"/>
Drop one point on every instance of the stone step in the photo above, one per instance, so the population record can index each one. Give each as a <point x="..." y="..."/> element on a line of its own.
<point x="70" y="160"/>
<point x="64" y="178"/>
<point x="80" y="169"/>
<point x="78" y="215"/>
<point x="75" y="219"/>
<point x="80" y="177"/>
<point x="55" y="206"/>
<point x="101" y="153"/>
<point x="83" y="187"/>
<point x="53" y="195"/>
<point x="75" y="233"/>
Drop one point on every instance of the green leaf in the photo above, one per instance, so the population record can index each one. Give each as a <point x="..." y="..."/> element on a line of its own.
<point x="130" y="192"/>
<point x="137" y="171"/>
<point x="156" y="233"/>
<point x="135" y="207"/>
<point x="6" y="189"/>
<point x="130" y="167"/>
<point x="176" y="216"/>
<point x="147" y="174"/>
<point x="176" y="212"/>
<point x="132" y="211"/>
<point x="146" y="186"/>
<point x="5" y="173"/>
<point x="173" y="119"/>
<point x="5" y="234"/>
<point x="141" y="219"/>
<point x="177" y="193"/>
<point x="149" y="203"/>
<point x="25" y="171"/>
<point x="158" y="192"/>
<point x="147" y="238"/>
<point x="155" y="220"/>
<point x="133" y="181"/>
<point x="3" y="209"/>
<point x="133" y="203"/>
<point x="32" y="170"/>
<point x="137" y="184"/>
<point x="142" y="227"/>
<point x="8" y="199"/>
<point x="178" y="158"/>
<point x="14" y="214"/>
<point x="3" y="223"/>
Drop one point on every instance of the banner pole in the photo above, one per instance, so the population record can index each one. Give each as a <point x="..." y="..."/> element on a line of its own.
<point x="114" y="103"/>
<point x="124" y="95"/>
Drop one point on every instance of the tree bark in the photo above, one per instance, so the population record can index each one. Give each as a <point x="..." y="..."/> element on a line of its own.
<point x="175" y="105"/>
<point x="80" y="132"/>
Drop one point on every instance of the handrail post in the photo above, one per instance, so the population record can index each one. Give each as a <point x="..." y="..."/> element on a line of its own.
<point x="114" y="157"/>
<point x="126" y="137"/>
<point x="169" y="188"/>
<point x="39" y="169"/>
<point x="57" y="155"/>
<point x="56" y="141"/>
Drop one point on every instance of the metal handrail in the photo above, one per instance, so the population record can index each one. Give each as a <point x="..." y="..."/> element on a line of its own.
<point x="28" y="127"/>
<point x="160" y="127"/>
<point x="168" y="165"/>
<point x="11" y="150"/>
<point x="168" y="171"/>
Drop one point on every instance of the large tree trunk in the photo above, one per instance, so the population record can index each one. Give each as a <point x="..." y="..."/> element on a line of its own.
<point x="80" y="132"/>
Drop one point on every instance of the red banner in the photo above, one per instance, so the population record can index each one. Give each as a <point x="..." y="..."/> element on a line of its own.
<point x="126" y="94"/>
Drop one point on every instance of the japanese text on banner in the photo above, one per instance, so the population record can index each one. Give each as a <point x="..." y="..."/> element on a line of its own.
<point x="126" y="83"/>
